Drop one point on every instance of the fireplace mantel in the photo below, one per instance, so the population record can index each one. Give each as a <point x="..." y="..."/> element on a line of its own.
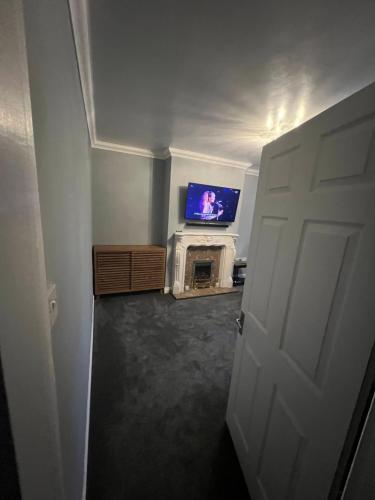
<point x="184" y="240"/>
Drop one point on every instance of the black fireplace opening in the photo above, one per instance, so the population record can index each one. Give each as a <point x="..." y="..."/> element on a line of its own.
<point x="202" y="272"/>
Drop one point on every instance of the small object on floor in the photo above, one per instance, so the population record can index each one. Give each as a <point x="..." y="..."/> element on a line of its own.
<point x="239" y="274"/>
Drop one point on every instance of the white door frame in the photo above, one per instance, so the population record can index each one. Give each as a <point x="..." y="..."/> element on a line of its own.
<point x="25" y="336"/>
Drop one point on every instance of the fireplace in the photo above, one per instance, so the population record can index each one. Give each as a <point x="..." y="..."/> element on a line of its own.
<point x="202" y="274"/>
<point x="218" y="249"/>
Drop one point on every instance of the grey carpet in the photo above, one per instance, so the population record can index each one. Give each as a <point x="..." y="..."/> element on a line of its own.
<point x="161" y="374"/>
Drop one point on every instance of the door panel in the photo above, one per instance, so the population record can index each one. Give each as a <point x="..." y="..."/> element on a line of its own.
<point x="344" y="154"/>
<point x="265" y="262"/>
<point x="249" y="369"/>
<point x="280" y="452"/>
<point x="308" y="303"/>
<point x="325" y="248"/>
<point x="281" y="170"/>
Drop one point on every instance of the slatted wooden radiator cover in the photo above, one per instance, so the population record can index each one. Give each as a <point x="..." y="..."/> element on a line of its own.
<point x="125" y="268"/>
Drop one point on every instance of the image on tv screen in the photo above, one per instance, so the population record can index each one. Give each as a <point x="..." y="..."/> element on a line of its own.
<point x="211" y="203"/>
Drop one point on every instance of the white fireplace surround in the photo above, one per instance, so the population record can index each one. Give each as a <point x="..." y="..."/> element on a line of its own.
<point x="185" y="240"/>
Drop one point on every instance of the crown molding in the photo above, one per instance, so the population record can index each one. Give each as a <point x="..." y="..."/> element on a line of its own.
<point x="252" y="171"/>
<point x="173" y="153"/>
<point x="81" y="34"/>
<point x="217" y="160"/>
<point x="130" y="150"/>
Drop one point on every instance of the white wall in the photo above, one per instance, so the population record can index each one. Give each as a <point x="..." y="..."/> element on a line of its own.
<point x="184" y="171"/>
<point x="64" y="178"/>
<point x="128" y="198"/>
<point x="25" y="338"/>
<point x="246" y="215"/>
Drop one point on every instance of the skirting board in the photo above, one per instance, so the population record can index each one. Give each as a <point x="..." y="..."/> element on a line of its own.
<point x="84" y="487"/>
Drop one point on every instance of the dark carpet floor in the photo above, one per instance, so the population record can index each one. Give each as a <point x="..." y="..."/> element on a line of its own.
<point x="161" y="374"/>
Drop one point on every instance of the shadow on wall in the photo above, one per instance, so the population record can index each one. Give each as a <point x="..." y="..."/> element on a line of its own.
<point x="157" y="193"/>
<point x="182" y="190"/>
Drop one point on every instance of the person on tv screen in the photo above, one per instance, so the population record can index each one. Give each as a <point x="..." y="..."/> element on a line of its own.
<point x="204" y="206"/>
<point x="209" y="208"/>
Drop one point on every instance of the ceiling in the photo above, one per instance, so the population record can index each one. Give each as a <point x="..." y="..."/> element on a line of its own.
<point x="223" y="77"/>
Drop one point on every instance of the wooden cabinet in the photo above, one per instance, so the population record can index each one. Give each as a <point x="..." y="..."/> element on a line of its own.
<point x="125" y="268"/>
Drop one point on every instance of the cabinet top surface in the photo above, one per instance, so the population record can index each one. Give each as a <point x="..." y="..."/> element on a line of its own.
<point x="128" y="248"/>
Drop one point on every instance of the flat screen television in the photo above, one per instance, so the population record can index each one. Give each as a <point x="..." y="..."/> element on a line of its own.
<point x="211" y="204"/>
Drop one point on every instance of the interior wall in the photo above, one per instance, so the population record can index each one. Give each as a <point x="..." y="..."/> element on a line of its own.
<point x="138" y="200"/>
<point x="64" y="179"/>
<point x="127" y="198"/>
<point x="246" y="215"/>
<point x="184" y="171"/>
<point x="25" y="337"/>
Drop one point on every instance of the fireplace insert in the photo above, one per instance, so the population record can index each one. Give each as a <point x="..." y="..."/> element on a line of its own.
<point x="202" y="273"/>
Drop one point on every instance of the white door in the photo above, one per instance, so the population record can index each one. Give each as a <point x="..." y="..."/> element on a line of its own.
<point x="309" y="303"/>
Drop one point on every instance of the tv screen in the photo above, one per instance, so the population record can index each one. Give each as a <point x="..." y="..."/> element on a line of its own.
<point x="208" y="203"/>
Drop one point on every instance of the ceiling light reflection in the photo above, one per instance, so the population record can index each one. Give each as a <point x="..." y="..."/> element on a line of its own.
<point x="286" y="120"/>
<point x="281" y="113"/>
<point x="269" y="123"/>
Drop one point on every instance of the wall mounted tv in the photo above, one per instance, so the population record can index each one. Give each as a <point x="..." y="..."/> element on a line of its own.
<point x="207" y="204"/>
